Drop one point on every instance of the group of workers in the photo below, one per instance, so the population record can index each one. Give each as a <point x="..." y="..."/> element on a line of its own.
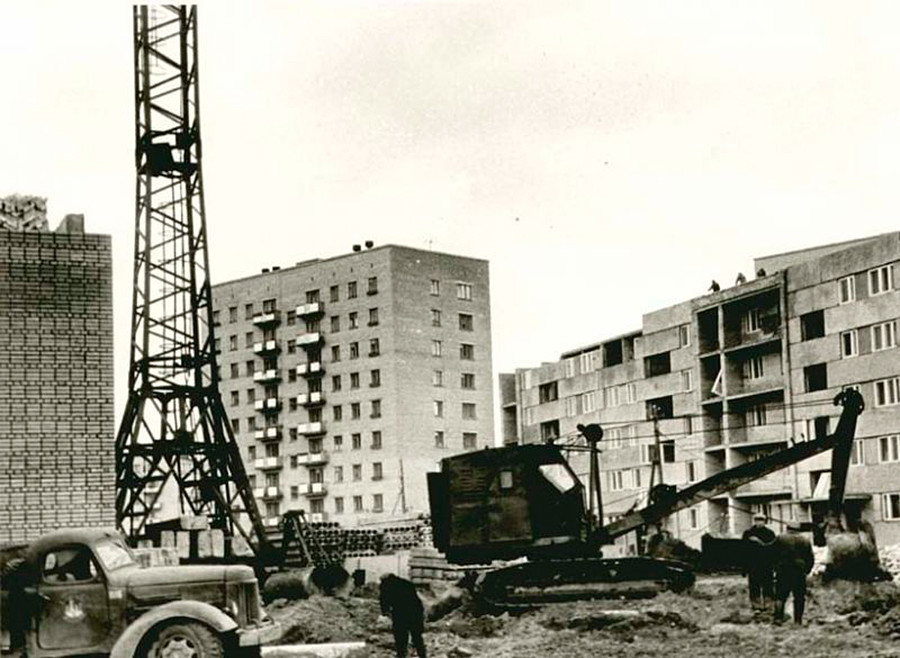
<point x="777" y="566"/>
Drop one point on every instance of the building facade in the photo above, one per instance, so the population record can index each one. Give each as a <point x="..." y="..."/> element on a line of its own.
<point x="347" y="379"/>
<point x="57" y="423"/>
<point x="735" y="375"/>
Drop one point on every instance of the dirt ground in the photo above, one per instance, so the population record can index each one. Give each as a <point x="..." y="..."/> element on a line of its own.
<point x="713" y="619"/>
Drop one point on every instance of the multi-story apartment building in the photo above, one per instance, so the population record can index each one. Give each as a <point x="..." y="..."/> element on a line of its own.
<point x="57" y="427"/>
<point x="347" y="379"/>
<point x="734" y="375"/>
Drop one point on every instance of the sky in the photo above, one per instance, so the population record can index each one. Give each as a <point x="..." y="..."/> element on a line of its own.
<point x="607" y="158"/>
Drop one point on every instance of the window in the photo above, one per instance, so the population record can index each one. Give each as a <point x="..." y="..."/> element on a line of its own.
<point x="338" y="473"/>
<point x="849" y="344"/>
<point x="691" y="468"/>
<point x="373" y="317"/>
<point x="335" y="323"/>
<point x="232" y="343"/>
<point x="372" y="288"/>
<point x="356" y="441"/>
<point x="312" y="296"/>
<point x="570" y="365"/>
<point x="857" y="454"/>
<point x="883" y="336"/>
<point x="376" y="409"/>
<point x="317" y="506"/>
<point x="377" y="502"/>
<point x="466" y="322"/>
<point x="353" y="319"/>
<point x="636" y="478"/>
<point x="291" y="318"/>
<point x="468" y="410"/>
<point x="232" y="314"/>
<point x="435" y="287"/>
<point x="291" y="346"/>
<point x="435" y="317"/>
<point x="235" y="398"/>
<point x="438" y="439"/>
<point x="335" y="382"/>
<point x="334" y="293"/>
<point x="251" y="423"/>
<point x="684" y="335"/>
<point x="335" y="353"/>
<point x="292" y="404"/>
<point x="374" y="347"/>
<point x="351" y="290"/>
<point x="755" y="415"/>
<point x="218" y="345"/>
<point x="880" y="280"/>
<point x="376" y="440"/>
<point x="355" y="410"/>
<point x="464" y="291"/>
<point x="668" y="452"/>
<point x="815" y="377"/>
<point x="548" y="392"/>
<point x="354" y="380"/>
<point x="467" y="381"/>
<point x="377" y="471"/>
<point x="375" y="378"/>
<point x="890" y="506"/>
<point x="470" y="440"/>
<point x="438" y="408"/>
<point x="753" y="368"/>
<point x="818" y="427"/>
<point x="357" y="472"/>
<point x="889" y="449"/>
<point x="659" y="408"/>
<point x="338" y="413"/>
<point x="571" y="406"/>
<point x="248" y="311"/>
<point x="588" y="361"/>
<point x="251" y="453"/>
<point x="437" y="377"/>
<point x="751" y="320"/>
<point x="694" y="518"/>
<point x="235" y="370"/>
<point x="812" y="325"/>
<point x="616" y="480"/>
<point x="611" y="393"/>
<point x="550" y="430"/>
<point x="887" y="392"/>
<point x="71" y="565"/>
<point x="339" y="505"/>
<point x="687" y="380"/>
<point x="436" y="348"/>
<point x="295" y="491"/>
<point x="215" y="318"/>
<point x="357" y="504"/>
<point x="338" y="442"/>
<point x="248" y="339"/>
<point x="235" y="425"/>
<point x="657" y="364"/>
<point x="589" y="402"/>
<point x="354" y="350"/>
<point x="466" y="351"/>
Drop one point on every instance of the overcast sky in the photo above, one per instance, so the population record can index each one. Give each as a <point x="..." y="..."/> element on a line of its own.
<point x="608" y="158"/>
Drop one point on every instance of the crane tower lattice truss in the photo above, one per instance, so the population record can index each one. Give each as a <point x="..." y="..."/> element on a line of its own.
<point x="175" y="429"/>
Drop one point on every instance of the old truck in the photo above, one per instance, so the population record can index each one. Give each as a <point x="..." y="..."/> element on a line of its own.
<point x="81" y="592"/>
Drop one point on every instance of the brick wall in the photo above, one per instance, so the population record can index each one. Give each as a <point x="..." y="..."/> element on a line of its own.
<point x="57" y="429"/>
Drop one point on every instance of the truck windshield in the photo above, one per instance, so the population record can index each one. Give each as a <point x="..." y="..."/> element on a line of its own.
<point x="558" y="476"/>
<point x="113" y="555"/>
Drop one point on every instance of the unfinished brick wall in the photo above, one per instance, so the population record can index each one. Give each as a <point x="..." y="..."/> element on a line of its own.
<point x="57" y="427"/>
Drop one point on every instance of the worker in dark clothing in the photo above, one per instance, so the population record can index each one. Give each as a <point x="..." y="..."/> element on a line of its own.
<point x="759" y="539"/>
<point x="399" y="599"/>
<point x="714" y="286"/>
<point x="792" y="559"/>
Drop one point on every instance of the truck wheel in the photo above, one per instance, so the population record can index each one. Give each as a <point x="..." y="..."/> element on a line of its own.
<point x="186" y="640"/>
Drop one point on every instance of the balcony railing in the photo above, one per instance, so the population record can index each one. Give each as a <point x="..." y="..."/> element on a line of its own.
<point x="268" y="463"/>
<point x="309" y="339"/>
<point x="313" y="489"/>
<point x="310" y="399"/>
<point x="312" y="458"/>
<point x="273" y="521"/>
<point x="267" y="492"/>
<point x="310" y="369"/>
<point x="267" y="404"/>
<point x="317" y="427"/>
<point x="266" y="347"/>
<point x="268" y="318"/>
<point x="270" y="375"/>
<point x="268" y="433"/>
<point x="313" y="308"/>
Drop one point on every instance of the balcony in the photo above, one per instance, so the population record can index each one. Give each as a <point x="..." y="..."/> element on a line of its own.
<point x="757" y="435"/>
<point x="312" y="458"/>
<point x="273" y="521"/>
<point x="267" y="405"/>
<point x="318" y="517"/>
<point x="313" y="308"/>
<point x="266" y="376"/>
<point x="267" y="493"/>
<point x="266" y="347"/>
<point x="311" y="399"/>
<point x="309" y="339"/>
<point x="268" y="463"/>
<point x="317" y="427"/>
<point x="268" y="433"/>
<point x="776" y="484"/>
<point x="269" y="318"/>
<point x="313" y="489"/>
<point x="313" y="369"/>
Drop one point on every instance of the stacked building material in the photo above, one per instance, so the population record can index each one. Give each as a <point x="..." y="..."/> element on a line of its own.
<point x="23" y="213"/>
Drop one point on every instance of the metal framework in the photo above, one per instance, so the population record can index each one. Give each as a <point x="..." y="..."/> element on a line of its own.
<point x="175" y="430"/>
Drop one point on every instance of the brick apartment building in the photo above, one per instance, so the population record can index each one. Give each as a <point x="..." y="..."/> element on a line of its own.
<point x="732" y="376"/>
<point x="57" y="427"/>
<point x="346" y="379"/>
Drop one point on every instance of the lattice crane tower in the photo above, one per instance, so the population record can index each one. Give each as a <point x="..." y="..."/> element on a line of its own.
<point x="175" y="429"/>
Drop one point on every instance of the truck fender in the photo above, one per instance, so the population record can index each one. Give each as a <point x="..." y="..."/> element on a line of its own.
<point x="127" y="644"/>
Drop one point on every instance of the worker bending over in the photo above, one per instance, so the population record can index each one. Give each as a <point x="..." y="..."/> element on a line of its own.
<point x="399" y="599"/>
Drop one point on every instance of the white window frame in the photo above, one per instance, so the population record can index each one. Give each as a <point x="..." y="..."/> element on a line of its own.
<point x="589" y="402"/>
<point x="881" y="280"/>
<point x="847" y="289"/>
<point x="858" y="453"/>
<point x="630" y="393"/>
<point x="687" y="381"/>
<point x="887" y="392"/>
<point x="755" y="416"/>
<point x="611" y="396"/>
<point x="889" y="449"/>
<point x="694" y="518"/>
<point x="751" y="321"/>
<point x="570" y="367"/>
<point x="616" y="480"/>
<point x="849" y="344"/>
<point x="437" y="348"/>
<point x="690" y="470"/>
<point x="588" y="361"/>
<point x="887" y="509"/>
<point x="636" y="478"/>
<point x="753" y="368"/>
<point x="684" y="335"/>
<point x="571" y="406"/>
<point x="464" y="291"/>
<point x="885" y="334"/>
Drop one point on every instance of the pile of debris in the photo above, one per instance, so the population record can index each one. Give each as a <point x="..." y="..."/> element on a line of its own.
<point x="890" y="560"/>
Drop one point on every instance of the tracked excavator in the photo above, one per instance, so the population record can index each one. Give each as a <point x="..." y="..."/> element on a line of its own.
<point x="525" y="501"/>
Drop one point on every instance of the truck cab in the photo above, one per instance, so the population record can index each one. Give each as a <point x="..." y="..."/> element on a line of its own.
<point x="81" y="592"/>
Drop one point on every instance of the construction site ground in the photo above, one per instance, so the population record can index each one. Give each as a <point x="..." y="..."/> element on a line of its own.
<point x="713" y="619"/>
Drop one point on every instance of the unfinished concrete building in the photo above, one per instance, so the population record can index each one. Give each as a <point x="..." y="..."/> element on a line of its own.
<point x="56" y="373"/>
<point x="732" y="376"/>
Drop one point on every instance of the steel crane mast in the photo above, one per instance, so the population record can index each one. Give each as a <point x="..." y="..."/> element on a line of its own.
<point x="175" y="428"/>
